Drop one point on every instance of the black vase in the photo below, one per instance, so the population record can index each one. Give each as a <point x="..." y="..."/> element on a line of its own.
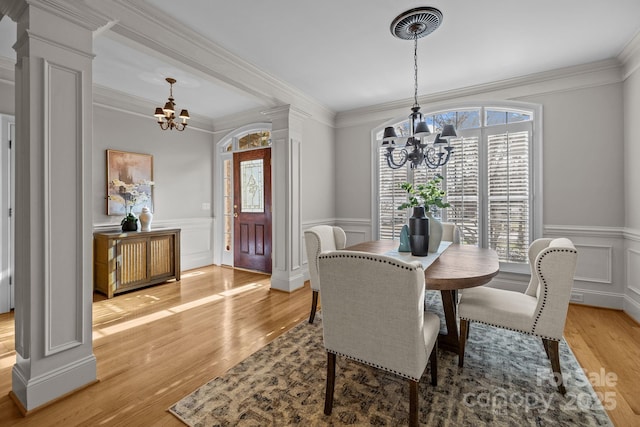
<point x="419" y="232"/>
<point x="130" y="225"/>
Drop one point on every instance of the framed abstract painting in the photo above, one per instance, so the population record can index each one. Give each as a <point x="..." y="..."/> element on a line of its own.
<point x="129" y="182"/>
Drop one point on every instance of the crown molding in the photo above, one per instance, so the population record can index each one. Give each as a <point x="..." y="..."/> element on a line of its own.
<point x="560" y="80"/>
<point x="12" y="8"/>
<point x="69" y="10"/>
<point x="138" y="22"/>
<point x="630" y="56"/>
<point x="226" y="124"/>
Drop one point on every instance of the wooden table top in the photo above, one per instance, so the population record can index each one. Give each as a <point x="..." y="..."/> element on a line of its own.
<point x="458" y="267"/>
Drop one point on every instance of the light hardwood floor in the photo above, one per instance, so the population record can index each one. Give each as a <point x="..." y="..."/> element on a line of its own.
<point x="158" y="344"/>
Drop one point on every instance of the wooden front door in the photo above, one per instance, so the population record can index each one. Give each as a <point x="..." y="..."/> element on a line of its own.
<point x="252" y="209"/>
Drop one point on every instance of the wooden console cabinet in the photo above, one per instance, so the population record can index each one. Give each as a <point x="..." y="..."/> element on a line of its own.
<point x="123" y="261"/>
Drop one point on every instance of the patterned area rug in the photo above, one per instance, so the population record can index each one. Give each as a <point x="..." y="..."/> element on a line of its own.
<point x="506" y="381"/>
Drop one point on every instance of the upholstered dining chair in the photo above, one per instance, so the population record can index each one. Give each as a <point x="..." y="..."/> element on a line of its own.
<point x="540" y="311"/>
<point x="451" y="232"/>
<point x="318" y="239"/>
<point x="373" y="313"/>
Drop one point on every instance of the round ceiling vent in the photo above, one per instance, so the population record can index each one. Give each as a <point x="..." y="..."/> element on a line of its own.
<point x="416" y="23"/>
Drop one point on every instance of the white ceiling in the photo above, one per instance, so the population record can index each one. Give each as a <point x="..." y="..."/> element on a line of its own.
<point x="341" y="53"/>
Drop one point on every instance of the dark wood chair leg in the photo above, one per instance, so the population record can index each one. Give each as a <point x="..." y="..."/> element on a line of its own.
<point x="545" y="344"/>
<point x="331" y="382"/>
<point x="413" y="403"/>
<point x="554" y="356"/>
<point x="464" y="334"/>
<point x="314" y="306"/>
<point x="433" y="358"/>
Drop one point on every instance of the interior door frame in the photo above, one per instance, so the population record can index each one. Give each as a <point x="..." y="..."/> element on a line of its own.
<point x="7" y="197"/>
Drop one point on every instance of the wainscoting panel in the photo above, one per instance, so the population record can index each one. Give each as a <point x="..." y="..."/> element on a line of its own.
<point x="357" y="230"/>
<point x="594" y="263"/>
<point x="633" y="271"/>
<point x="632" y="261"/>
<point x="600" y="275"/>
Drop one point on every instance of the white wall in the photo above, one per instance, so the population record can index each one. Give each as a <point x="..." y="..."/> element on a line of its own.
<point x="354" y="175"/>
<point x="182" y="172"/>
<point x="7" y="94"/>
<point x="583" y="153"/>
<point x="632" y="191"/>
<point x="318" y="179"/>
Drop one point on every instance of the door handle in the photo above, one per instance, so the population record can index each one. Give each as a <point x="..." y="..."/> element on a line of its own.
<point x="235" y="214"/>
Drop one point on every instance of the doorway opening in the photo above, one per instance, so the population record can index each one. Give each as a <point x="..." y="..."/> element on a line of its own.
<point x="7" y="158"/>
<point x="243" y="199"/>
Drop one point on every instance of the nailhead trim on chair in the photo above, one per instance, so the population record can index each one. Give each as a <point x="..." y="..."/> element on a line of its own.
<point x="512" y="329"/>
<point x="372" y="258"/>
<point x="544" y="301"/>
<point x="544" y="282"/>
<point x="409" y="377"/>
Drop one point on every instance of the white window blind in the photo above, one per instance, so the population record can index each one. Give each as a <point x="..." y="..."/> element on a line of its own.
<point x="508" y="195"/>
<point x="463" y="188"/>
<point x="390" y="196"/>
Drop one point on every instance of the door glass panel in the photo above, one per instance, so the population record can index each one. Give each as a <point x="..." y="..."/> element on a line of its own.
<point x="228" y="212"/>
<point x="252" y="185"/>
<point x="255" y="140"/>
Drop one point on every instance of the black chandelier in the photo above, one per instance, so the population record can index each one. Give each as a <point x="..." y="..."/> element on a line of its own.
<point x="412" y="25"/>
<point x="166" y="115"/>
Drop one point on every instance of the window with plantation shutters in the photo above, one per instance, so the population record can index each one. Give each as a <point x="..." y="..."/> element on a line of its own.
<point x="390" y="196"/>
<point x="488" y="181"/>
<point x="463" y="188"/>
<point x="508" y="194"/>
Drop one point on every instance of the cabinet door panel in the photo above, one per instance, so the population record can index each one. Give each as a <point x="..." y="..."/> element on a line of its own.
<point x="162" y="258"/>
<point x="132" y="263"/>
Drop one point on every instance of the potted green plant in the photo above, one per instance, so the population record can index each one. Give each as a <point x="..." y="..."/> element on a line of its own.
<point x="425" y="231"/>
<point x="427" y="195"/>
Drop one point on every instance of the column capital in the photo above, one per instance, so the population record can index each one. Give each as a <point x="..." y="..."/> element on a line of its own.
<point x="73" y="11"/>
<point x="286" y="111"/>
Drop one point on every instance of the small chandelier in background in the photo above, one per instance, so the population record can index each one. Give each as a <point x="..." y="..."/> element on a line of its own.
<point x="412" y="25"/>
<point x="167" y="114"/>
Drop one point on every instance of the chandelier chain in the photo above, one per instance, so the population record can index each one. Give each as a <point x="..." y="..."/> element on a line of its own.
<point x="415" y="70"/>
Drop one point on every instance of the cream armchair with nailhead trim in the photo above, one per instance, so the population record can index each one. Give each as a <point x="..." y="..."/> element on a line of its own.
<point x="318" y="239"/>
<point x="373" y="313"/>
<point x="540" y="311"/>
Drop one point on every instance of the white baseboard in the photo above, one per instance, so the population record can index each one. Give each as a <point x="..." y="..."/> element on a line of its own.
<point x="632" y="308"/>
<point x="34" y="392"/>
